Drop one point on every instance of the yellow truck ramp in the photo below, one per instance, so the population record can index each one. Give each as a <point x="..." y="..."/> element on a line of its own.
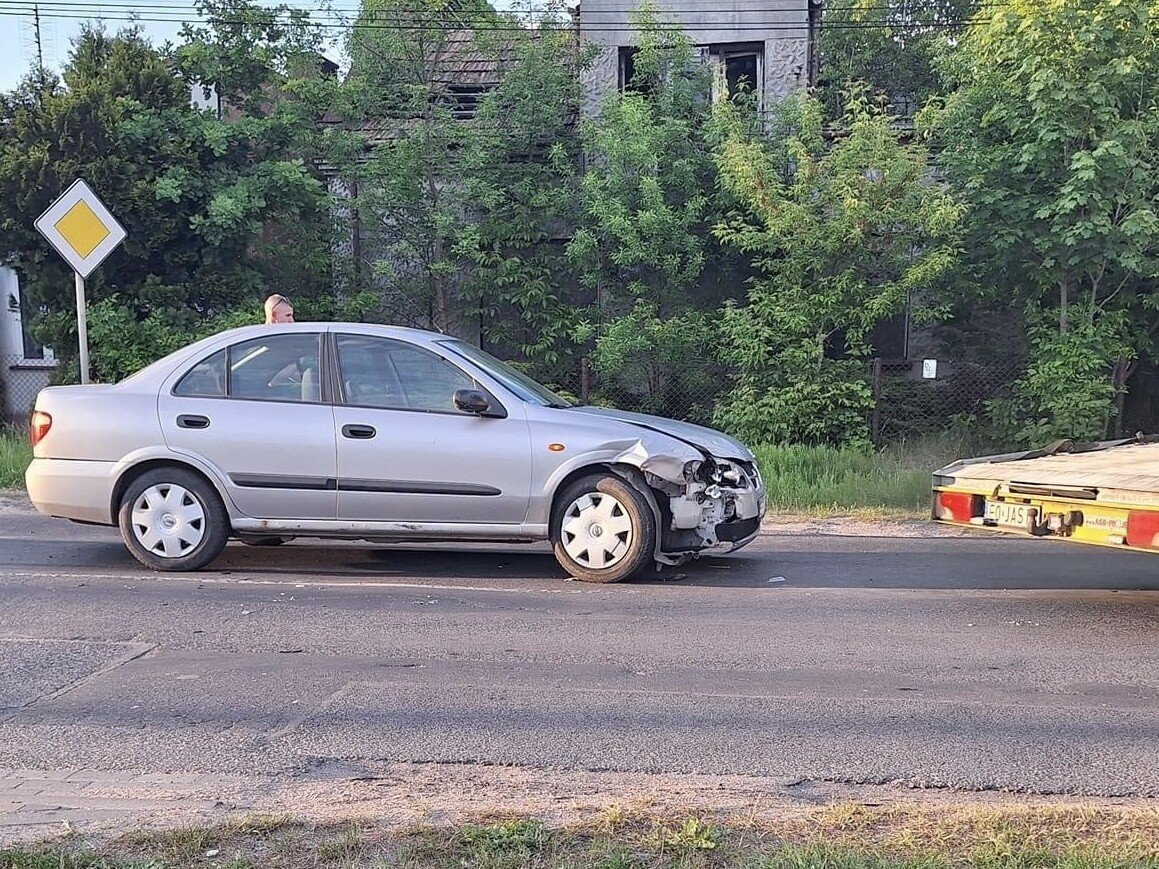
<point x="1104" y="493"/>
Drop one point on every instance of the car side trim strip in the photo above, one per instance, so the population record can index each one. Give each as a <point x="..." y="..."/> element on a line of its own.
<point x="397" y="487"/>
<point x="278" y="481"/>
<point x="408" y="487"/>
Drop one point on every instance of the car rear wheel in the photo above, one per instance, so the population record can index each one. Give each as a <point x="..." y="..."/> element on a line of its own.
<point x="171" y="519"/>
<point x="603" y="530"/>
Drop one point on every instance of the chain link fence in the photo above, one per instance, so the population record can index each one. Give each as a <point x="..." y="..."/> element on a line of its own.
<point x="919" y="398"/>
<point x="912" y="398"/>
<point x="20" y="381"/>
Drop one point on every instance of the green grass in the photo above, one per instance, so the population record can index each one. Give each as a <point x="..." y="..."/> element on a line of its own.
<point x="817" y="480"/>
<point x="835" y="836"/>
<point x="15" y="454"/>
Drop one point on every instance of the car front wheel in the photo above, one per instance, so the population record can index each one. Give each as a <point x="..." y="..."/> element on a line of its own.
<point x="173" y="520"/>
<point x="603" y="530"/>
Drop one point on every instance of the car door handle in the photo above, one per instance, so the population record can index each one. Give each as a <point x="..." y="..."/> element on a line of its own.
<point x="358" y="432"/>
<point x="192" y="420"/>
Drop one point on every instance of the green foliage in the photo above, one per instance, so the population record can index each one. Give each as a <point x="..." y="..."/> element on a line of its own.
<point x="1066" y="391"/>
<point x="15" y="455"/>
<point x="517" y="835"/>
<point x="652" y="363"/>
<point x="195" y="193"/>
<point x="123" y="340"/>
<point x="842" y="238"/>
<point x="692" y="835"/>
<point x="250" y="52"/>
<point x="644" y="246"/>
<point x="891" y="46"/>
<point x="646" y="194"/>
<point x="463" y="208"/>
<point x="1052" y="133"/>
<point x="799" y="399"/>
<point x="521" y="178"/>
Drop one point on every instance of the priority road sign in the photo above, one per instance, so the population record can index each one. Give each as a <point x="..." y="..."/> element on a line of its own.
<point x="84" y="232"/>
<point x="81" y="229"/>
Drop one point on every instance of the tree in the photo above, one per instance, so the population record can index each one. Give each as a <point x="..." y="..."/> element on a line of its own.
<point x="400" y="150"/>
<point x="891" y="46"/>
<point x="1051" y="133"/>
<point x="195" y="193"/>
<point x="644" y="245"/>
<point x="521" y="176"/>
<point x="843" y="236"/>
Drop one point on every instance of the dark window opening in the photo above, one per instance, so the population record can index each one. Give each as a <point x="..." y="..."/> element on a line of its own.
<point x="31" y="349"/>
<point x="741" y="72"/>
<point x="464" y="100"/>
<point x="890" y="338"/>
<point x="628" y="80"/>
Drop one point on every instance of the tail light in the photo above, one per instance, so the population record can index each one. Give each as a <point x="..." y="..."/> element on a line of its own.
<point x="954" y="506"/>
<point x="38" y="426"/>
<point x="1143" y="529"/>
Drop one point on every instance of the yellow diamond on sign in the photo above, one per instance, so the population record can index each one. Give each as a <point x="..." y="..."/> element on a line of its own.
<point x="82" y="229"/>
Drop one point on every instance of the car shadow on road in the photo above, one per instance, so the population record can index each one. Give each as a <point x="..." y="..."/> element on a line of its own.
<point x="369" y="561"/>
<point x="773" y="563"/>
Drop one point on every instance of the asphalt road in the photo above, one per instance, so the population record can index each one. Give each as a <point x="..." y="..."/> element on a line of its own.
<point x="966" y="660"/>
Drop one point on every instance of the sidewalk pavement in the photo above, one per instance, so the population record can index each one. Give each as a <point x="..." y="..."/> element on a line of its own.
<point x="35" y="802"/>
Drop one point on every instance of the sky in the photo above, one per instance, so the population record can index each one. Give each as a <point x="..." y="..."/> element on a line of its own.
<point x="61" y="21"/>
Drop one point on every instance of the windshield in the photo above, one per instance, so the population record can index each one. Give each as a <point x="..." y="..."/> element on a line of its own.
<point x="513" y="379"/>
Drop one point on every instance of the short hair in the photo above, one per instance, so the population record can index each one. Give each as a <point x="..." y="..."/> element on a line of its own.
<point x="273" y="302"/>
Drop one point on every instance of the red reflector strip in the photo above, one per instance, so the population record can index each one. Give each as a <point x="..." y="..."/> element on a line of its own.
<point x="1143" y="529"/>
<point x="954" y="506"/>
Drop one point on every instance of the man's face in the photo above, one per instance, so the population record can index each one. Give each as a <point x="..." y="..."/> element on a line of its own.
<point x="282" y="313"/>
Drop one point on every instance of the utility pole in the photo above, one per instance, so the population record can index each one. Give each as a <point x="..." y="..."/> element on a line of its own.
<point x="39" y="48"/>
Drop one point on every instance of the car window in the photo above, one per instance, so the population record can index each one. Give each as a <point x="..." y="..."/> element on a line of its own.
<point x="206" y="378"/>
<point x="383" y="372"/>
<point x="276" y="368"/>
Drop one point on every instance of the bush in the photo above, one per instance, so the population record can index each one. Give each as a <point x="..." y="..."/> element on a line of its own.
<point x="825" y="403"/>
<point x="1066" y="391"/>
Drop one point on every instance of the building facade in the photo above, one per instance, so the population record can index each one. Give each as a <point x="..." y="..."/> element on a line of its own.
<point x="763" y="46"/>
<point x="25" y="367"/>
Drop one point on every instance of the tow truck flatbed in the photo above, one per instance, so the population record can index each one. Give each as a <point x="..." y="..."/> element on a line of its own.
<point x="1104" y="493"/>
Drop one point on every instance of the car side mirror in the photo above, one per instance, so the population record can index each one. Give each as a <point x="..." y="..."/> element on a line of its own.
<point x="476" y="401"/>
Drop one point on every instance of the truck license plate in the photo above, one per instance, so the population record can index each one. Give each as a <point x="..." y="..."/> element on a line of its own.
<point x="1016" y="515"/>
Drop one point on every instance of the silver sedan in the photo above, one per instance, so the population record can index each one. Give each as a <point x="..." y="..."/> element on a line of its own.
<point x="364" y="432"/>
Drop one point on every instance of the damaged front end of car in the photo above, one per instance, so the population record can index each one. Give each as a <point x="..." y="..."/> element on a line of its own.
<point x="709" y="505"/>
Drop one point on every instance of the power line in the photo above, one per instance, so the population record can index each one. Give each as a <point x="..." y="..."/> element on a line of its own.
<point x="128" y="15"/>
<point x="184" y="7"/>
<point x="518" y="10"/>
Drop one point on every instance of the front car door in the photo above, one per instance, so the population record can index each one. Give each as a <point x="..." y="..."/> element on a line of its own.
<point x="256" y="412"/>
<point x="407" y="454"/>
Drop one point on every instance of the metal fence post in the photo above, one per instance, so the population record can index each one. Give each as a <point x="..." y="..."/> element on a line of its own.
<point x="585" y="379"/>
<point x="875" y="418"/>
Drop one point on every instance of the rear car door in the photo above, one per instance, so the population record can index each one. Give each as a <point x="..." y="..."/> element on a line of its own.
<point x="256" y="411"/>
<point x="407" y="454"/>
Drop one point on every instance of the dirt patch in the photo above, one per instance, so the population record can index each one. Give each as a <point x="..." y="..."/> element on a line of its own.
<point x="861" y="526"/>
<point x="406" y="796"/>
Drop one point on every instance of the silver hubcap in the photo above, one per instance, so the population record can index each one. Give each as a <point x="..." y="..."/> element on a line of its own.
<point x="597" y="531"/>
<point x="168" y="521"/>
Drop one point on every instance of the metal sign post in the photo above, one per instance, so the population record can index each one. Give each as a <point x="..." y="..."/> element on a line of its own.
<point x="82" y="327"/>
<point x="83" y="232"/>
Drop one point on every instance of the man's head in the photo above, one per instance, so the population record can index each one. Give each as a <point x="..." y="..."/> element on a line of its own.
<point x="279" y="310"/>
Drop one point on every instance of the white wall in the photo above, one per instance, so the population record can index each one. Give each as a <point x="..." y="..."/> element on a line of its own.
<point x="20" y="378"/>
